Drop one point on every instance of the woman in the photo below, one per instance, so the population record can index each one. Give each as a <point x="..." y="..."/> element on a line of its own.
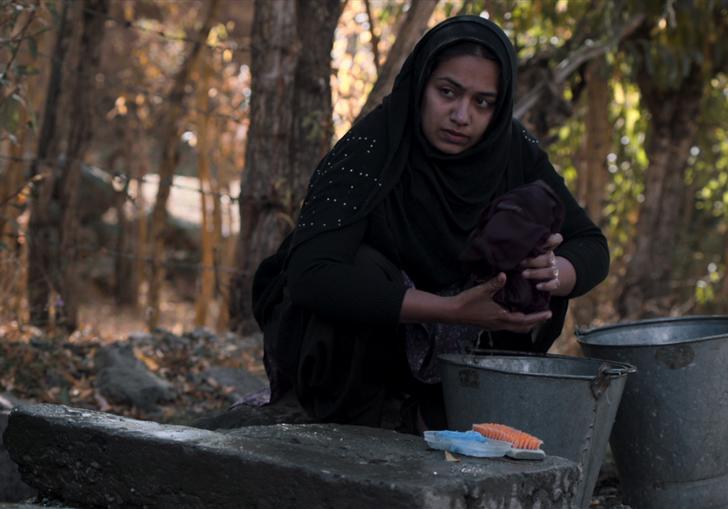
<point x="370" y="286"/>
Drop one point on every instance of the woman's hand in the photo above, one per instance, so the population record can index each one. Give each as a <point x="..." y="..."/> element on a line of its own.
<point x="553" y="273"/>
<point x="477" y="307"/>
<point x="474" y="306"/>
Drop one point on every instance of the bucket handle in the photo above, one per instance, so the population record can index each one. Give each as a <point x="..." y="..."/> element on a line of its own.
<point x="606" y="372"/>
<point x="581" y="330"/>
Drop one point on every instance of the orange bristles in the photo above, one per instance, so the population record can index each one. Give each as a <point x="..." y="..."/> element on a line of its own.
<point x="519" y="439"/>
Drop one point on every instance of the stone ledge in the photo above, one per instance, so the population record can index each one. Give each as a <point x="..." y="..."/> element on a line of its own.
<point x="12" y="489"/>
<point x="92" y="458"/>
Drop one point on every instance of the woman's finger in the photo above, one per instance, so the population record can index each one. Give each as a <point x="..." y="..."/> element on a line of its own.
<point x="494" y="284"/>
<point x="553" y="241"/>
<point x="545" y="260"/>
<point x="521" y="319"/>
<point x="541" y="274"/>
<point x="549" y="286"/>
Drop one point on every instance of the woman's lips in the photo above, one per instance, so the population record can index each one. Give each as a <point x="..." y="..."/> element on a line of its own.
<point x="455" y="137"/>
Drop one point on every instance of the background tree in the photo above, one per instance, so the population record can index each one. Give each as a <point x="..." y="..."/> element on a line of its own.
<point x="290" y="130"/>
<point x="54" y="220"/>
<point x="676" y="54"/>
<point x="580" y="93"/>
<point x="168" y="165"/>
<point x="24" y="32"/>
<point x="414" y="25"/>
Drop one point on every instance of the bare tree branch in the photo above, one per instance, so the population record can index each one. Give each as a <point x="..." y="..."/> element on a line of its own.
<point x="571" y="63"/>
<point x="412" y="29"/>
<point x="375" y="37"/>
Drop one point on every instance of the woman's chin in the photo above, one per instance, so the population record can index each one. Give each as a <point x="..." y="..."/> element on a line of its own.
<point x="450" y="148"/>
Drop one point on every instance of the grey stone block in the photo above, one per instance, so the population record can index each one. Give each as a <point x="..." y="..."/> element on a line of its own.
<point x="12" y="488"/>
<point x="33" y="505"/>
<point x="122" y="378"/>
<point x="100" y="459"/>
<point x="236" y="381"/>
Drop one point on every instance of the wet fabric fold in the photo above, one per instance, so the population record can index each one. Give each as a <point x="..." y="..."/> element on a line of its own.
<point x="514" y="227"/>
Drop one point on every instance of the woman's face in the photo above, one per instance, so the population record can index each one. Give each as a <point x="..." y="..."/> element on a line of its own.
<point x="458" y="102"/>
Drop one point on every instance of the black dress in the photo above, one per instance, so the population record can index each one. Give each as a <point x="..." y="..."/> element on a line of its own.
<point x="385" y="211"/>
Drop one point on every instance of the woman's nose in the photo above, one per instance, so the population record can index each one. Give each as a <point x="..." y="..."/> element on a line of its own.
<point x="459" y="113"/>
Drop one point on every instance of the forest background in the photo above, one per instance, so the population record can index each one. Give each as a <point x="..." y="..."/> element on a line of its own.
<point x="152" y="153"/>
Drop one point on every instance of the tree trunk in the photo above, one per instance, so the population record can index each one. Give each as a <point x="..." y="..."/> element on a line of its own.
<point x="374" y="37"/>
<point x="312" y="121"/>
<point x="11" y="247"/>
<point x="12" y="183"/>
<point x="167" y="167"/>
<point x="207" y="240"/>
<point x="598" y="138"/>
<point x="265" y="199"/>
<point x="43" y="228"/>
<point x="224" y="255"/>
<point x="672" y="133"/>
<point x="140" y="227"/>
<point x="412" y="29"/>
<point x="126" y="278"/>
<point x="82" y="88"/>
<point x="593" y="175"/>
<point x="12" y="177"/>
<point x="722" y="296"/>
<point x="290" y="131"/>
<point x="53" y="239"/>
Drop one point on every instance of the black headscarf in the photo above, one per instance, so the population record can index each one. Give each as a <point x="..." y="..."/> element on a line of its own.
<point x="444" y="193"/>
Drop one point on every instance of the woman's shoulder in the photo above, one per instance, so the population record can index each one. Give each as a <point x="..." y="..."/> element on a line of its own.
<point x="527" y="155"/>
<point x="523" y="138"/>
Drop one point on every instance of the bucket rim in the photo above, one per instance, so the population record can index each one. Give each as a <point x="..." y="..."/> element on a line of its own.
<point x="626" y="368"/>
<point x="582" y="335"/>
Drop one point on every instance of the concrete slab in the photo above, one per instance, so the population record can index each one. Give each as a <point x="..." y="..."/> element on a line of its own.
<point x="93" y="458"/>
<point x="33" y="505"/>
<point x="12" y="488"/>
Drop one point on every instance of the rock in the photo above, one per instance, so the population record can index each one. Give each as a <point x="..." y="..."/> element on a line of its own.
<point x="33" y="505"/>
<point x="254" y="340"/>
<point x="285" y="411"/>
<point x="201" y="333"/>
<point x="12" y="488"/>
<point x="123" y="378"/>
<point x="82" y="456"/>
<point x="140" y="337"/>
<point x="235" y="382"/>
<point x="8" y="401"/>
<point x="607" y="492"/>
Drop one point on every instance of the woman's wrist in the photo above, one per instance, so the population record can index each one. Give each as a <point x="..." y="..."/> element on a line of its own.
<point x="566" y="276"/>
<point x="421" y="306"/>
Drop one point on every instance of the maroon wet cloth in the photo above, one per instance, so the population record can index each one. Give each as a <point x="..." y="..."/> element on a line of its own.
<point x="512" y="228"/>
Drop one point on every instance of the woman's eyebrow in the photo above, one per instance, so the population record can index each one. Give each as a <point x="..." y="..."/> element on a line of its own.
<point x="459" y="86"/>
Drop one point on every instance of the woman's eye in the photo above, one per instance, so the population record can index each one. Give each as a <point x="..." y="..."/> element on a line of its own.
<point x="447" y="92"/>
<point x="485" y="103"/>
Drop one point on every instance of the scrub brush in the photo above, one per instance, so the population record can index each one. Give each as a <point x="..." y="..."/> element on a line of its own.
<point x="523" y="445"/>
<point x="469" y="443"/>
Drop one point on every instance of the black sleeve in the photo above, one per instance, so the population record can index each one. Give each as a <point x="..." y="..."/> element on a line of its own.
<point x="323" y="279"/>
<point x="584" y="244"/>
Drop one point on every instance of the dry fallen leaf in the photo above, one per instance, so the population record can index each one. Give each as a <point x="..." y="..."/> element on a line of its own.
<point x="450" y="457"/>
<point x="147" y="360"/>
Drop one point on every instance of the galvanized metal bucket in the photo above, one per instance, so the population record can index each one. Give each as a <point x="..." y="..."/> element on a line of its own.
<point x="568" y="402"/>
<point x="670" y="437"/>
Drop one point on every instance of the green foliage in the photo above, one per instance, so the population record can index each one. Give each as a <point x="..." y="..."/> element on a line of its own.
<point x="708" y="175"/>
<point x="676" y="39"/>
<point x="680" y="38"/>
